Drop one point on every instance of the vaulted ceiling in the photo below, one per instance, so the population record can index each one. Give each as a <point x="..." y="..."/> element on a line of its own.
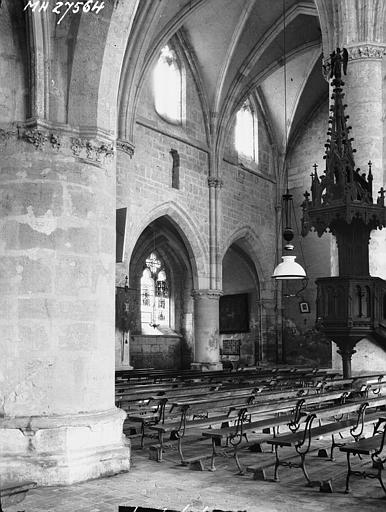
<point x="269" y="47"/>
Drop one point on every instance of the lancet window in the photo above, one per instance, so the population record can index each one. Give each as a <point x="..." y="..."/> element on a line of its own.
<point x="155" y="304"/>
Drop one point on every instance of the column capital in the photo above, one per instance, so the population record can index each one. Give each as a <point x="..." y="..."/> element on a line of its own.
<point x="345" y="24"/>
<point x="366" y="51"/>
<point x="91" y="144"/>
<point x="126" y="147"/>
<point x="214" y="182"/>
<point x="207" y="293"/>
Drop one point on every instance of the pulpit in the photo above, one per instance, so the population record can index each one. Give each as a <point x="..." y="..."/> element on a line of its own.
<point x="352" y="306"/>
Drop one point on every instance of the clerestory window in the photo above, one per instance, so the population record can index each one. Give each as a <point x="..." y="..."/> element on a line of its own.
<point x="246" y="142"/>
<point x="168" y="86"/>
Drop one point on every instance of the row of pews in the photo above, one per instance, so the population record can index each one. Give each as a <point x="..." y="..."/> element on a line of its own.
<point x="182" y="407"/>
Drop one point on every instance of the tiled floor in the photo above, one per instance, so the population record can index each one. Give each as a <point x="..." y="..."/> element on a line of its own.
<point x="169" y="485"/>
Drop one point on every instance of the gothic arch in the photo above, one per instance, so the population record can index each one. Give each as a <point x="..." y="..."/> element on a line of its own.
<point x="251" y="243"/>
<point x="138" y="52"/>
<point x="194" y="242"/>
<point x="101" y="73"/>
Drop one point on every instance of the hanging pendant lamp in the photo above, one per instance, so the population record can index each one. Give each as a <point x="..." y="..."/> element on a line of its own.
<point x="288" y="269"/>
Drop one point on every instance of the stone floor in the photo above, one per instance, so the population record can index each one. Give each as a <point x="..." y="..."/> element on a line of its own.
<point x="169" y="485"/>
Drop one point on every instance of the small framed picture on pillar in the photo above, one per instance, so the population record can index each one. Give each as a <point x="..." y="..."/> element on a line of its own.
<point x="304" y="307"/>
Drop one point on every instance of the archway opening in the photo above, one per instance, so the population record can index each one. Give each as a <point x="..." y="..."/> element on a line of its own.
<point x="240" y="322"/>
<point x="160" y="282"/>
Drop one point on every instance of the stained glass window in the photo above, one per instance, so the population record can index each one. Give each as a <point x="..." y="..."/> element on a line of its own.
<point x="155" y="301"/>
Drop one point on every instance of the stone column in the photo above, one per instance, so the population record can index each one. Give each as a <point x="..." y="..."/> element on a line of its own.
<point x="206" y="330"/>
<point x="346" y="353"/>
<point x="58" y="421"/>
<point x="214" y="185"/>
<point x="359" y="27"/>
<point x="364" y="100"/>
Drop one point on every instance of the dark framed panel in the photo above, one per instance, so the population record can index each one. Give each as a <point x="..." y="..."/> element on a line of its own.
<point x="120" y="226"/>
<point x="231" y="347"/>
<point x="234" y="313"/>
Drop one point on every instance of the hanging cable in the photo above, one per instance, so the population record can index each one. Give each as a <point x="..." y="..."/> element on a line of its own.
<point x="285" y="97"/>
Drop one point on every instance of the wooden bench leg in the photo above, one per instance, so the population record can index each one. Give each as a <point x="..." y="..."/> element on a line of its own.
<point x="380" y="467"/>
<point x="142" y="433"/>
<point x="259" y="474"/>
<point x="197" y="465"/>
<point x="179" y="449"/>
<point x="303" y="467"/>
<point x="155" y="453"/>
<point x="236" y="457"/>
<point x="161" y="439"/>
<point x="277" y="464"/>
<point x="347" y="490"/>
<point x="326" y="486"/>
<point x="214" y="453"/>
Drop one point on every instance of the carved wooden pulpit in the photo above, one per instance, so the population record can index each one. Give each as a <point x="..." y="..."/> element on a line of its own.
<point x="352" y="306"/>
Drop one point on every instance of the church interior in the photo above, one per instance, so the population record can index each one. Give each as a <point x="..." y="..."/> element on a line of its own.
<point x="192" y="255"/>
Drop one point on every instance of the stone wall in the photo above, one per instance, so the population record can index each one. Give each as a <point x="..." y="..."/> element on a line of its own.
<point x="238" y="277"/>
<point x="156" y="351"/>
<point x="246" y="197"/>
<point x="302" y="343"/>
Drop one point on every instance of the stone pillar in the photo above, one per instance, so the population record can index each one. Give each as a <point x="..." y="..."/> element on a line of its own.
<point x="359" y="27"/>
<point x="58" y="422"/>
<point x="346" y="353"/>
<point x="214" y="185"/>
<point x="364" y="100"/>
<point x="206" y="330"/>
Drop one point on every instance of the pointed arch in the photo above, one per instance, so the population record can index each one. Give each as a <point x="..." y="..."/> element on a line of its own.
<point x="194" y="242"/>
<point x="142" y="52"/>
<point x="248" y="239"/>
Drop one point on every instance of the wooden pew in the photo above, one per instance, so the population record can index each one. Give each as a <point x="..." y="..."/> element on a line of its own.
<point x="373" y="447"/>
<point x="268" y="404"/>
<point x="152" y="375"/>
<point x="129" y="398"/>
<point x="266" y="416"/>
<point x="152" y="417"/>
<point x="149" y="410"/>
<point x="166" y="409"/>
<point x="301" y="441"/>
<point x="195" y="414"/>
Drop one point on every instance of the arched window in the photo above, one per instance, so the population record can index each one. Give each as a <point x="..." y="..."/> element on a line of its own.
<point x="155" y="305"/>
<point x="246" y="132"/>
<point x="168" y="86"/>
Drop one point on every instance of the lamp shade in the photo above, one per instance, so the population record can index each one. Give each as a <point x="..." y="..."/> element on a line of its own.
<point x="289" y="269"/>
